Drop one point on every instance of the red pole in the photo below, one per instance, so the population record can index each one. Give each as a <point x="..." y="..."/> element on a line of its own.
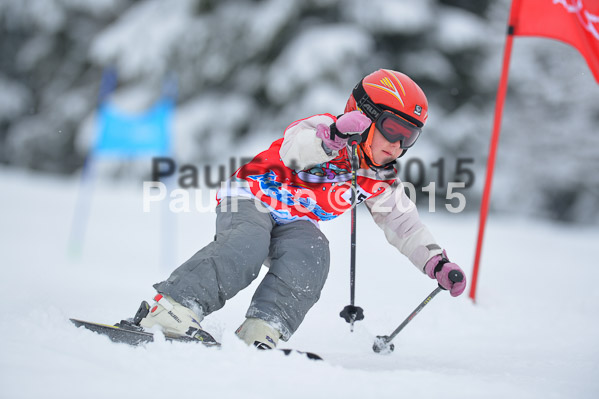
<point x="484" y="207"/>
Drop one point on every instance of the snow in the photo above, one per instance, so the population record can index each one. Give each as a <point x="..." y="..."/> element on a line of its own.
<point x="457" y="30"/>
<point x="401" y="16"/>
<point x="14" y="97"/>
<point x="532" y="333"/>
<point x="314" y="54"/>
<point x="133" y="26"/>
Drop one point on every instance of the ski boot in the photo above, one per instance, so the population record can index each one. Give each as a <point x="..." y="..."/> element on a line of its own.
<point x="258" y="333"/>
<point x="174" y="319"/>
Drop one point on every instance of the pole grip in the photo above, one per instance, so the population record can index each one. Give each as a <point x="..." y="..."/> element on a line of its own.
<point x="354" y="139"/>
<point x="455" y="276"/>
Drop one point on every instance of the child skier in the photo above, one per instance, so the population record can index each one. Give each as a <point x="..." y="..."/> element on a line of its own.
<point x="269" y="210"/>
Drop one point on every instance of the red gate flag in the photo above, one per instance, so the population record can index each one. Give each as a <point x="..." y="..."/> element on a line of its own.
<point x="575" y="22"/>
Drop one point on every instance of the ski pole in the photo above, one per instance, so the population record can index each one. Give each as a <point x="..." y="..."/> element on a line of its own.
<point x="382" y="343"/>
<point x="352" y="313"/>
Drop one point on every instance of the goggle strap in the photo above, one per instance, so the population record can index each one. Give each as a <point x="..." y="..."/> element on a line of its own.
<point x="364" y="102"/>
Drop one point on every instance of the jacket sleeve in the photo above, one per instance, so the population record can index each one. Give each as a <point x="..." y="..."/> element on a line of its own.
<point x="398" y="217"/>
<point x="301" y="148"/>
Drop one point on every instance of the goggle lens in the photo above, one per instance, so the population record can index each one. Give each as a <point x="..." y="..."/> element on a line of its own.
<point x="394" y="129"/>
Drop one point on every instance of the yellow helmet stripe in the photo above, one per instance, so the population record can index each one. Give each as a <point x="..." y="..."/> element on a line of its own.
<point x="393" y="92"/>
<point x="397" y="80"/>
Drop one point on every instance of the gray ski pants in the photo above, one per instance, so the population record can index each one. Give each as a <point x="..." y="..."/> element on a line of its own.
<point x="297" y="254"/>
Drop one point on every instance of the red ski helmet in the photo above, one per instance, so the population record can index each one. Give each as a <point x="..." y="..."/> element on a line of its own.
<point x="390" y="99"/>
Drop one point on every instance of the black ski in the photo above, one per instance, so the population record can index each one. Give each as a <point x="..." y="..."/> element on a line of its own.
<point x="309" y="355"/>
<point x="128" y="333"/>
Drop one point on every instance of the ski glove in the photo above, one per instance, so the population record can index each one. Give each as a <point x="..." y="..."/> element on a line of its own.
<point x="350" y="123"/>
<point x="439" y="267"/>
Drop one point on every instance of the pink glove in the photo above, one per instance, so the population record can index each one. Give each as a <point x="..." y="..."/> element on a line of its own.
<point x="439" y="267"/>
<point x="350" y="123"/>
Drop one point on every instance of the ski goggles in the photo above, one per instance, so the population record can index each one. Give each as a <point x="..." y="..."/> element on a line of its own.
<point x="395" y="128"/>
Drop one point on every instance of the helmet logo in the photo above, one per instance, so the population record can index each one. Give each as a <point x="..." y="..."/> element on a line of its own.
<point x="417" y="109"/>
<point x="388" y="86"/>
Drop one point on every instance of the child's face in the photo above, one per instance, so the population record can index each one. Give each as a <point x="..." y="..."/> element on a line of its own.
<point x="384" y="151"/>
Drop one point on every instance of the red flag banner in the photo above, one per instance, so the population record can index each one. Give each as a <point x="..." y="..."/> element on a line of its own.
<point x="575" y="22"/>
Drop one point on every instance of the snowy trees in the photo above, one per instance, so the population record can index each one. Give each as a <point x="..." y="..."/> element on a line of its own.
<point x="247" y="69"/>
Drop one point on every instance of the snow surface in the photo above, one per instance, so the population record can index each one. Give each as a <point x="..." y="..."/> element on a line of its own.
<point x="533" y="333"/>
